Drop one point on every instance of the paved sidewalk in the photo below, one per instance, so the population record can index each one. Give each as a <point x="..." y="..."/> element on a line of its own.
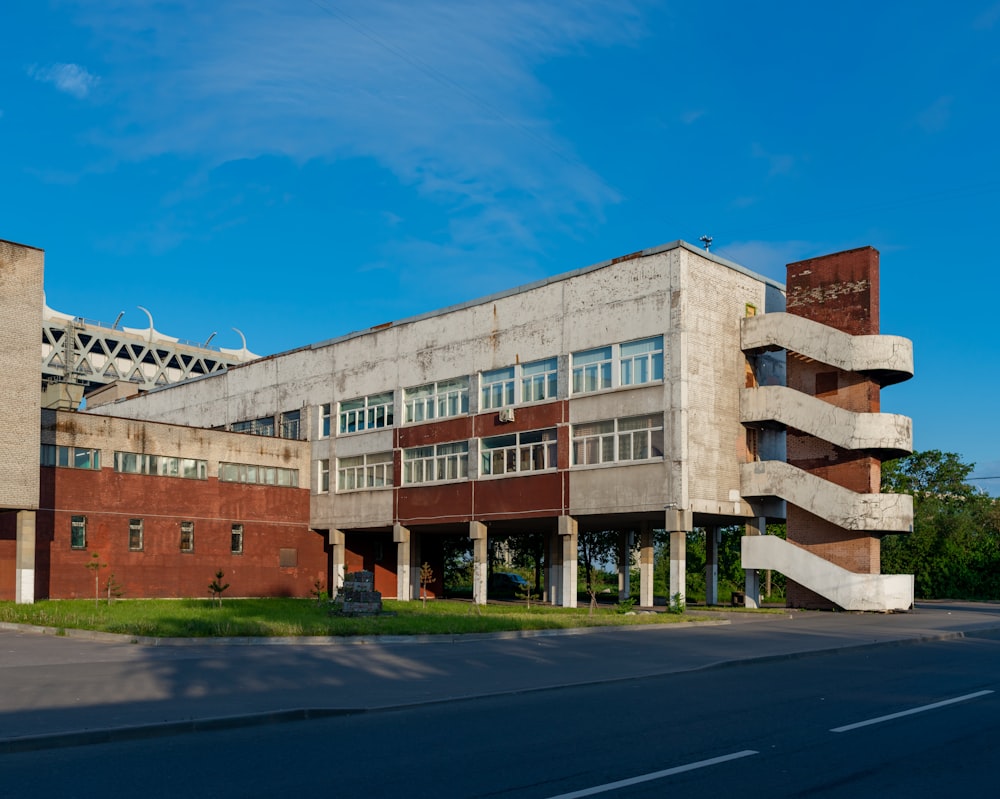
<point x="63" y="691"/>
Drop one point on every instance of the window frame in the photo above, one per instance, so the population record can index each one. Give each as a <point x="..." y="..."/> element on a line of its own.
<point x="369" y="470"/>
<point x="66" y="457"/>
<point x="323" y="476"/>
<point x="607" y="437"/>
<point x="438" y="459"/>
<point x="77" y="532"/>
<point x="187" y="536"/>
<point x="623" y="365"/>
<point x="512" y="457"/>
<point x="325" y="419"/>
<point x="492" y="381"/>
<point x="436" y="400"/>
<point x="236" y="538"/>
<point x="136" y="533"/>
<point x="370" y="412"/>
<point x="256" y="474"/>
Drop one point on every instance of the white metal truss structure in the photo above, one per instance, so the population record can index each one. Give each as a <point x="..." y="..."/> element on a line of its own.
<point x="92" y="354"/>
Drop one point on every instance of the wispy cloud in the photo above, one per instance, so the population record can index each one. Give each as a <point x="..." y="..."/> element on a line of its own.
<point x="444" y="95"/>
<point x="69" y="78"/>
<point x="690" y="117"/>
<point x="778" y="163"/>
<point x="988" y="18"/>
<point x="936" y="116"/>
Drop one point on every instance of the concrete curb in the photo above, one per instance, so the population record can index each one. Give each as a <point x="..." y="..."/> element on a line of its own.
<point x="338" y="640"/>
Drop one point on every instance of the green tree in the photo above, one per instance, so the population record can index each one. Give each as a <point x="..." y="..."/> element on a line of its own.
<point x="953" y="549"/>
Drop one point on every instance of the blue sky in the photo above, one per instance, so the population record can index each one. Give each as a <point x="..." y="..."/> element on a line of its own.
<point x="303" y="168"/>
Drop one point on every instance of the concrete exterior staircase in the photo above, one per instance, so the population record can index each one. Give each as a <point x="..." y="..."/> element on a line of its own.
<point x="887" y="359"/>
<point x="850" y="591"/>
<point x="890" y="434"/>
<point x="887" y="513"/>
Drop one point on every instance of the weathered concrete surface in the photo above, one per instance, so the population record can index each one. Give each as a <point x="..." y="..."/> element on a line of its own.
<point x="889" y="433"/>
<point x="845" y="508"/>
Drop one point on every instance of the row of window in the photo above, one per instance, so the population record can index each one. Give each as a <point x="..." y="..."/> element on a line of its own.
<point x="287" y="425"/>
<point x="136" y="535"/>
<point x="161" y="465"/>
<point x="164" y="466"/>
<point x="258" y="475"/>
<point x="634" y="438"/>
<point x="632" y="363"/>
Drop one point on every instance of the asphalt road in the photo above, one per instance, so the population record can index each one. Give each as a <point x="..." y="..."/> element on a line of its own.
<point x="767" y="708"/>
<point x="772" y="728"/>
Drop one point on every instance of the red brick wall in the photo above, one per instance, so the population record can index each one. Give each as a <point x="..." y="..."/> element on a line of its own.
<point x="273" y="519"/>
<point x="527" y="496"/>
<point x="842" y="291"/>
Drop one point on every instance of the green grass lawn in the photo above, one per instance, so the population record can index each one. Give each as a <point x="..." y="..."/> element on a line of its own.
<point x="285" y="617"/>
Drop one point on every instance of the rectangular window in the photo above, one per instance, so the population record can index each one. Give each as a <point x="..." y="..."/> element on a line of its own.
<point x="436" y="463"/>
<point x="373" y="470"/>
<point x="592" y="370"/>
<point x="255" y="427"/>
<point x="640" y="438"/>
<point x="324" y="420"/>
<point x="436" y="400"/>
<point x="187" y="536"/>
<point x="70" y="457"/>
<point x="642" y="361"/>
<point x="135" y="535"/>
<point x="139" y="463"/>
<point x="323" y="476"/>
<point x="251" y="474"/>
<point x="540" y="380"/>
<point x="78" y="532"/>
<point x="531" y="451"/>
<point x="635" y="438"/>
<point x="366" y="413"/>
<point x="290" y="424"/>
<point x="236" y="539"/>
<point x="497" y="388"/>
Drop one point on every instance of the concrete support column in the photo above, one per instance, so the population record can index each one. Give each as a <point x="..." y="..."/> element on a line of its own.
<point x="678" y="524"/>
<point x="647" y="559"/>
<point x="712" y="539"/>
<point x="751" y="577"/>
<point x="416" y="559"/>
<point x="553" y="569"/>
<point x="401" y="537"/>
<point x="480" y="557"/>
<point x="338" y="557"/>
<point x="569" y="538"/>
<point x="24" y="558"/>
<point x="625" y="539"/>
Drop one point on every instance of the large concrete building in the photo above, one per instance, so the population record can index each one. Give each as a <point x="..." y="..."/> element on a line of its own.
<point x="665" y="390"/>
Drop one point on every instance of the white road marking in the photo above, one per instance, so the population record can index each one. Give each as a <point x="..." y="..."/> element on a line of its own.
<point x="910" y="712"/>
<point x="656" y="775"/>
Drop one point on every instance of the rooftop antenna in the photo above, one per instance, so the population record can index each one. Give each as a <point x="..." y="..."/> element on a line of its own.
<point x="707" y="241"/>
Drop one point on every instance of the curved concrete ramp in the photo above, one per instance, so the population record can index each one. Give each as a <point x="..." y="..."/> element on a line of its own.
<point x="850" y="591"/>
<point x="890" y="434"/>
<point x="886" y="359"/>
<point x="887" y="513"/>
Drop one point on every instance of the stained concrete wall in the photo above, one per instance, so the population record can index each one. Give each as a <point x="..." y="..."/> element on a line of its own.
<point x="21" y="302"/>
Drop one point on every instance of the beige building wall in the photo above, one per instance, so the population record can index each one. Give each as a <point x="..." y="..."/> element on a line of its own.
<point x="21" y="302"/>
